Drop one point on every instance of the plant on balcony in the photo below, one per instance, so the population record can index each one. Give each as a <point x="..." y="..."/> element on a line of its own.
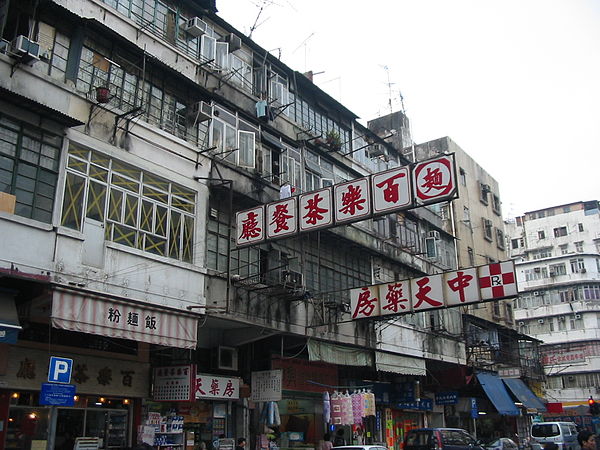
<point x="332" y="139"/>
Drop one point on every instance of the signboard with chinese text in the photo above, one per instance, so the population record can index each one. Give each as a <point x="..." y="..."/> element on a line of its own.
<point x="217" y="387"/>
<point x="352" y="200"/>
<point x="281" y="218"/>
<point x="56" y="394"/>
<point x="114" y="318"/>
<point x="397" y="189"/>
<point x="266" y="386"/>
<point x="564" y="357"/>
<point x="446" y="398"/>
<point x="250" y="225"/>
<point x="434" y="180"/>
<point x="316" y="210"/>
<point x="391" y="190"/>
<point x="174" y="383"/>
<point x="484" y="283"/>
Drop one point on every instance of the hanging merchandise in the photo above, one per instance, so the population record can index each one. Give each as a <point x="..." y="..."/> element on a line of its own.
<point x="336" y="408"/>
<point x="273" y="416"/>
<point x="347" y="415"/>
<point x="357" y="408"/>
<point x="369" y="404"/>
<point x="326" y="408"/>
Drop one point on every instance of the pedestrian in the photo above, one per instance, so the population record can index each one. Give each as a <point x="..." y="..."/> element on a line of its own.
<point x="325" y="444"/>
<point x="587" y="440"/>
<point x="339" y="439"/>
<point x="241" y="444"/>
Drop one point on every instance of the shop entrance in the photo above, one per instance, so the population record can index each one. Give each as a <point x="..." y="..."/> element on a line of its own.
<point x="110" y="425"/>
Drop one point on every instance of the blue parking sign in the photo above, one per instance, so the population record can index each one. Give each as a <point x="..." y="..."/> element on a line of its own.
<point x="59" y="370"/>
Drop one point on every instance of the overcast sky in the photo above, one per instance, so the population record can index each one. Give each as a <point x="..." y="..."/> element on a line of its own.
<point x="515" y="83"/>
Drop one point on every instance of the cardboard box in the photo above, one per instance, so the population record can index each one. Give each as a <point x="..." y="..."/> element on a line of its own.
<point x="7" y="202"/>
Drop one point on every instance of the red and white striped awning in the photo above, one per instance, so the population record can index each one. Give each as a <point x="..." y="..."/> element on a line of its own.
<point x="75" y="311"/>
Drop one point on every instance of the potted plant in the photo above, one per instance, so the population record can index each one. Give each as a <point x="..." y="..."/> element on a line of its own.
<point x="332" y="138"/>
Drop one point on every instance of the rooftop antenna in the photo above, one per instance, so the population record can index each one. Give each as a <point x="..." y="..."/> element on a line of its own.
<point x="389" y="85"/>
<point x="263" y="4"/>
<point x="303" y="43"/>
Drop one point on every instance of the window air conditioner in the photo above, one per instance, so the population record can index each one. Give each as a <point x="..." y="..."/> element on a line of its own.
<point x="434" y="234"/>
<point x="198" y="112"/>
<point x="536" y="293"/>
<point x="28" y="51"/>
<point x="577" y="316"/>
<point x="376" y="150"/>
<point x="540" y="320"/>
<point x="292" y="279"/>
<point x="195" y="26"/>
<point x="227" y="358"/>
<point x="235" y="42"/>
<point x="521" y="323"/>
<point x="561" y="318"/>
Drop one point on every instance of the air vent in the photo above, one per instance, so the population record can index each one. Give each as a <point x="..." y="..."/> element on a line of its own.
<point x="226" y="358"/>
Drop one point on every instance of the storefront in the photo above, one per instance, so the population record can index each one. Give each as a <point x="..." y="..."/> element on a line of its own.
<point x="108" y="394"/>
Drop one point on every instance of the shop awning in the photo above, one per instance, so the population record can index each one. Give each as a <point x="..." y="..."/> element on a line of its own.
<point x="9" y="320"/>
<point x="113" y="318"/>
<point x="524" y="394"/>
<point x="404" y="365"/>
<point x="338" y="354"/>
<point x="497" y="393"/>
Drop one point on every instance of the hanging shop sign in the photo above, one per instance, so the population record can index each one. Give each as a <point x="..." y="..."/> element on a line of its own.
<point x="401" y="188"/>
<point x="174" y="383"/>
<point x="217" y="387"/>
<point x="449" y="289"/>
<point x="266" y="386"/>
<point x="423" y="404"/>
<point x="57" y="394"/>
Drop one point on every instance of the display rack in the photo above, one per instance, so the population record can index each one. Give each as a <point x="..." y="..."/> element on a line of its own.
<point x="163" y="432"/>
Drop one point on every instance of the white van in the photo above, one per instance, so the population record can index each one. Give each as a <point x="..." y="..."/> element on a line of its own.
<point x="563" y="434"/>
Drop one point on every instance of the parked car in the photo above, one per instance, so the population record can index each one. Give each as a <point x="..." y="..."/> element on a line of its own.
<point x="501" y="444"/>
<point x="362" y="447"/>
<point x="440" y="439"/>
<point x="563" y="434"/>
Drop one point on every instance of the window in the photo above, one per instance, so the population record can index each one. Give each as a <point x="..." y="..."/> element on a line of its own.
<point x="500" y="238"/>
<point x="564" y="249"/>
<point x="487" y="229"/>
<point x="579" y="246"/>
<point x="496" y="204"/>
<point x="471" y="256"/>
<point x="514" y="243"/>
<point x="557" y="269"/>
<point x="543" y="253"/>
<point x="541" y="235"/>
<point x="246" y="149"/>
<point x="577" y="265"/>
<point x="561" y="231"/>
<point x="484" y="190"/>
<point x="466" y="215"/>
<point x="463" y="176"/>
<point x="580" y="226"/>
<point x="29" y="158"/>
<point x="138" y="209"/>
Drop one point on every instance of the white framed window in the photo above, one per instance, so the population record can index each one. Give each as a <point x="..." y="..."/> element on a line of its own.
<point x="579" y="246"/>
<point x="564" y="249"/>
<point x="222" y="55"/>
<point x="541" y="234"/>
<point x="577" y="265"/>
<point x="560" y="231"/>
<point x="246" y="149"/>
<point x="242" y="71"/>
<point x="208" y="47"/>
<point x="487" y="229"/>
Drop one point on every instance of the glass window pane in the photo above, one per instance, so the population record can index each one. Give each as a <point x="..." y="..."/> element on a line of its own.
<point x="115" y="206"/>
<point x="146" y="217"/>
<point x="96" y="201"/>
<point x="131" y="210"/>
<point x="174" y="235"/>
<point x="73" y="202"/>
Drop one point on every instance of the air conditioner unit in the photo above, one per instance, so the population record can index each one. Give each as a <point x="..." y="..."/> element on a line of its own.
<point x="292" y="279"/>
<point x="28" y="51"/>
<point x="226" y="358"/>
<point x="235" y="42"/>
<point x="540" y="320"/>
<point x="434" y="234"/>
<point x="537" y="293"/>
<point x="198" y="112"/>
<point x="521" y="323"/>
<point x="195" y="26"/>
<point x="537" y="269"/>
<point x="561" y="318"/>
<point x="376" y="150"/>
<point x="577" y="316"/>
<point x="583" y="270"/>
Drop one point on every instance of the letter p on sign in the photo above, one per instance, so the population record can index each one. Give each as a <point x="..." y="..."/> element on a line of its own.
<point x="60" y="370"/>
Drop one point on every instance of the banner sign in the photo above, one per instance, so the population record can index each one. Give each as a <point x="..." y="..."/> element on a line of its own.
<point x="266" y="386"/>
<point x="401" y="188"/>
<point x="217" y="387"/>
<point x="459" y="287"/>
<point x="174" y="383"/>
<point x="424" y="404"/>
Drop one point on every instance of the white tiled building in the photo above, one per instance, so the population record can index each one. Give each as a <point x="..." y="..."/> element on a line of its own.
<point x="557" y="253"/>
